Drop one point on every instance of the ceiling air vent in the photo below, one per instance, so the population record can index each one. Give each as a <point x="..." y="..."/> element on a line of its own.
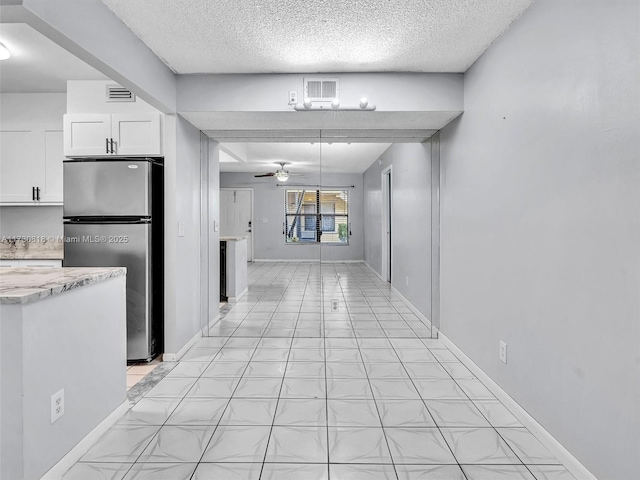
<point x="116" y="93"/>
<point x="321" y="89"/>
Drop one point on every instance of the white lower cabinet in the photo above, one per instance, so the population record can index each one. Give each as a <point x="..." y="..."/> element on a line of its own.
<point x="31" y="165"/>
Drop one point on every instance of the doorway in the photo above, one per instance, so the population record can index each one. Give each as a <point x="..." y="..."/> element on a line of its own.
<point x="386" y="224"/>
<point x="236" y="215"/>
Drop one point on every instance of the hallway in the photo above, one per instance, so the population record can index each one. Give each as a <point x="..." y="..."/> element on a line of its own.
<point x="319" y="372"/>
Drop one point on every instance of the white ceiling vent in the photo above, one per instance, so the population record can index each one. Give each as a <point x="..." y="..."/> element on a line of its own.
<point x="321" y="89"/>
<point x="116" y="93"/>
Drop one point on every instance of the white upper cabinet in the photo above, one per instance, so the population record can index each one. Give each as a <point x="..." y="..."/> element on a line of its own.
<point x="31" y="165"/>
<point x="130" y="134"/>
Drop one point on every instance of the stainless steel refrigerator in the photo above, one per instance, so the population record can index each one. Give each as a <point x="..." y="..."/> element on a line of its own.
<point x="113" y="217"/>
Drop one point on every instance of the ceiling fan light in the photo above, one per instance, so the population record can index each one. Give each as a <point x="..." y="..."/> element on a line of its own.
<point x="282" y="176"/>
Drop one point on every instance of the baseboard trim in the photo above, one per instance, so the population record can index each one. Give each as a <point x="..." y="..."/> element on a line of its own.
<point x="174" y="357"/>
<point x="373" y="270"/>
<point x="235" y="299"/>
<point x="59" y="469"/>
<point x="303" y="260"/>
<point x="412" y="307"/>
<point x="571" y="463"/>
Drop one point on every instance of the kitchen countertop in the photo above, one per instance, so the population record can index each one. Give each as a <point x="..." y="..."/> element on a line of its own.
<point x="25" y="285"/>
<point x="31" y="248"/>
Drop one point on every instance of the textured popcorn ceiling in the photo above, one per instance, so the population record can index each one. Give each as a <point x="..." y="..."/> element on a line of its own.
<point x="301" y="36"/>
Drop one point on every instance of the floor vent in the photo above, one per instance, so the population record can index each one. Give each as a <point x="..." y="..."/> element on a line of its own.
<point x="116" y="93"/>
<point x="321" y="89"/>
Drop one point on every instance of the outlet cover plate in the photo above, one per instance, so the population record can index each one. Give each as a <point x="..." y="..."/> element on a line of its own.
<point x="57" y="406"/>
<point x="503" y="351"/>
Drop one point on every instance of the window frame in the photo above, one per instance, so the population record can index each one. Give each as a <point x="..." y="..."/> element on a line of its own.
<point x="317" y="218"/>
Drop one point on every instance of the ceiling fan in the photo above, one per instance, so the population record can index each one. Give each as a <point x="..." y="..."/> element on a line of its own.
<point x="281" y="174"/>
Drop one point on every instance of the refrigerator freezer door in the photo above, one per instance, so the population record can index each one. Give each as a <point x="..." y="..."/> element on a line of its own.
<point x="115" y="245"/>
<point x="107" y="188"/>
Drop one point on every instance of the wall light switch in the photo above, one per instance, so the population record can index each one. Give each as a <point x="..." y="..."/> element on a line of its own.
<point x="181" y="229"/>
<point x="215" y="226"/>
<point x="264" y="220"/>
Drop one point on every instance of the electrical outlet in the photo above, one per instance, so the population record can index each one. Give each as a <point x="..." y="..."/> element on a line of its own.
<point x="503" y="351"/>
<point x="293" y="97"/>
<point x="406" y="281"/>
<point x="57" y="406"/>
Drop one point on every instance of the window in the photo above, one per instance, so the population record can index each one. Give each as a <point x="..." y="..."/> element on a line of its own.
<point x="317" y="216"/>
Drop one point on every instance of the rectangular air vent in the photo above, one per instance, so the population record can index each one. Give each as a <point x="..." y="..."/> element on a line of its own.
<point x="116" y="93"/>
<point x="321" y="89"/>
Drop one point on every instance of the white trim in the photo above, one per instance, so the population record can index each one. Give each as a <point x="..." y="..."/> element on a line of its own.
<point x="414" y="309"/>
<point x="235" y="299"/>
<point x="387" y="218"/>
<point x="174" y="357"/>
<point x="373" y="270"/>
<point x="570" y="462"/>
<point x="304" y="260"/>
<point x="59" y="469"/>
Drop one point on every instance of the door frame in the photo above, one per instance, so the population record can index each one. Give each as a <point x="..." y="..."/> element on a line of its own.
<point x="251" y="215"/>
<point x="387" y="225"/>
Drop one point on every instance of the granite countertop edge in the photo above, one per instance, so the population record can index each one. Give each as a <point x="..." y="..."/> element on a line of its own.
<point x="47" y="282"/>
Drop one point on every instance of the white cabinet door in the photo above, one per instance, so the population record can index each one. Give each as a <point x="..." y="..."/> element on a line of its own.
<point x="50" y="183"/>
<point x="17" y="153"/>
<point x="87" y="135"/>
<point x="136" y="134"/>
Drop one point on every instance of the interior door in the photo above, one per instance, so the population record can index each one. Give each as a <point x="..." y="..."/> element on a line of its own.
<point x="236" y="215"/>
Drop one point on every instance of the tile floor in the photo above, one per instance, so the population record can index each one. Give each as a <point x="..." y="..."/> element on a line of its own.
<point x="318" y="373"/>
<point x="136" y="372"/>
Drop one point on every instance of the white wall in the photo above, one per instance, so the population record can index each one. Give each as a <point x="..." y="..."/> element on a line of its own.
<point x="182" y="253"/>
<point x="410" y="220"/>
<point x="31" y="109"/>
<point x="541" y="224"/>
<point x="269" y="204"/>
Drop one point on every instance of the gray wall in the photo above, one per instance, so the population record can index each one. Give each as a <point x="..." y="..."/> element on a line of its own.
<point x="269" y="204"/>
<point x="410" y="220"/>
<point x="541" y="224"/>
<point x="184" y="322"/>
<point x="35" y="221"/>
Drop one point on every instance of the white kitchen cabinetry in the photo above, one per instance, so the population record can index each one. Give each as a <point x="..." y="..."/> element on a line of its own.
<point x="130" y="134"/>
<point x="31" y="165"/>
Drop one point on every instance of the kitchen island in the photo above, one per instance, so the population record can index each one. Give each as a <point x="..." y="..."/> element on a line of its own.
<point x="61" y="330"/>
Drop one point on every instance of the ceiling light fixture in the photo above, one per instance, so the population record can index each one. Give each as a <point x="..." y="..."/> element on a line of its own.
<point x="282" y="175"/>
<point x="308" y="105"/>
<point x="4" y="52"/>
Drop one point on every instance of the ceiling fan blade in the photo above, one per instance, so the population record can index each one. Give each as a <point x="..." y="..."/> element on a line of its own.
<point x="265" y="175"/>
